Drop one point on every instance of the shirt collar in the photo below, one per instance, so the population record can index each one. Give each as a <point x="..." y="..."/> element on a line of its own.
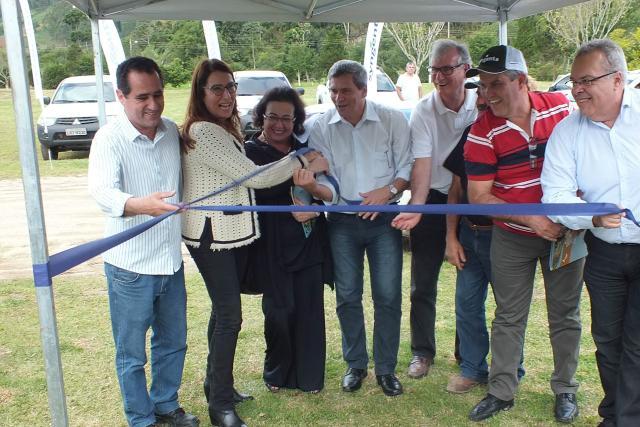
<point x="131" y="133"/>
<point x="469" y="103"/>
<point x="370" y="113"/>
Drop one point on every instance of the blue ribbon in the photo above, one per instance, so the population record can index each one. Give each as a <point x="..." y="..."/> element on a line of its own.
<point x="65" y="260"/>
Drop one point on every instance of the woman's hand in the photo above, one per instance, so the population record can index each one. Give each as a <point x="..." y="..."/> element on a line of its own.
<point x="305" y="178"/>
<point x="319" y="164"/>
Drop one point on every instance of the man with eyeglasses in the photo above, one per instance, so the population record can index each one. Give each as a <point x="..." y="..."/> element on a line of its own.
<point x="504" y="154"/>
<point x="367" y="147"/>
<point x="596" y="151"/>
<point x="437" y="124"/>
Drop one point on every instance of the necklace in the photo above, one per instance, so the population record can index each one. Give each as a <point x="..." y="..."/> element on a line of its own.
<point x="284" y="147"/>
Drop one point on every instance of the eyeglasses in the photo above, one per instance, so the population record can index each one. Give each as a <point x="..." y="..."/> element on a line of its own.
<point x="586" y="82"/>
<point x="533" y="146"/>
<point x="273" y="118"/>
<point x="218" y="90"/>
<point x="446" y="70"/>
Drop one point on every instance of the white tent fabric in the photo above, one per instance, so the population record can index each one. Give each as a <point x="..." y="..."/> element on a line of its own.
<point x="318" y="10"/>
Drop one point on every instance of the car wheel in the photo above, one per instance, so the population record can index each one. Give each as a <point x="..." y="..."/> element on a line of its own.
<point x="46" y="154"/>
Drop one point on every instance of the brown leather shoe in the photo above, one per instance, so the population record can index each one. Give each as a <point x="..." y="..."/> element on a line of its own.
<point x="459" y="384"/>
<point x="419" y="367"/>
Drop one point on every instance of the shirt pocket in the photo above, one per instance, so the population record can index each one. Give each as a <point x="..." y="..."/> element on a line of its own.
<point x="383" y="163"/>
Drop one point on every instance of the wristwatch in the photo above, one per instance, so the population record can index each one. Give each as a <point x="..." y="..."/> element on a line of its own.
<point x="393" y="190"/>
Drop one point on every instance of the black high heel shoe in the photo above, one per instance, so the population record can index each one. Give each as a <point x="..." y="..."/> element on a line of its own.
<point x="226" y="418"/>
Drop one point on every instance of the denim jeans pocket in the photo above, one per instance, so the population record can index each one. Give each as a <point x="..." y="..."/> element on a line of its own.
<point x="124" y="277"/>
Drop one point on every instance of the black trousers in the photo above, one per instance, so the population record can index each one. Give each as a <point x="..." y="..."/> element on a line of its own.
<point x="222" y="272"/>
<point x="428" y="241"/>
<point x="294" y="331"/>
<point x="612" y="275"/>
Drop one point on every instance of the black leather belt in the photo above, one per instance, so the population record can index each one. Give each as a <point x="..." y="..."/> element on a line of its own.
<point x="475" y="227"/>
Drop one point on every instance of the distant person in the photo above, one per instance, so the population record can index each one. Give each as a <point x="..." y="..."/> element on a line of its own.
<point x="409" y="86"/>
<point x="367" y="146"/>
<point x="213" y="156"/>
<point x="291" y="255"/>
<point x="596" y="150"/>
<point x="437" y="123"/>
<point x="134" y="174"/>
<point x="504" y="155"/>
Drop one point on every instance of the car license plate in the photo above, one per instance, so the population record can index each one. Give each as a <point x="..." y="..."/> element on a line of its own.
<point x="76" y="131"/>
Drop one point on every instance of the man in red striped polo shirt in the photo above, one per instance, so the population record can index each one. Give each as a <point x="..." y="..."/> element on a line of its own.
<point x="503" y="157"/>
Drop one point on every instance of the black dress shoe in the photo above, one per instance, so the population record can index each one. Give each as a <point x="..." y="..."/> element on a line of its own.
<point x="488" y="407"/>
<point x="226" y="418"/>
<point x="566" y="407"/>
<point x="390" y="384"/>
<point x="177" y="418"/>
<point x="239" y="397"/>
<point x="352" y="379"/>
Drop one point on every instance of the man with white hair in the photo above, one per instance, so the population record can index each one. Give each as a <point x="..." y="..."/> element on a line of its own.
<point x="437" y="124"/>
<point x="603" y="136"/>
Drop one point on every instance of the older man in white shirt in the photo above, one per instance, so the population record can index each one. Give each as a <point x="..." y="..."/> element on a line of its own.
<point x="593" y="156"/>
<point x="367" y="147"/>
<point x="437" y="123"/>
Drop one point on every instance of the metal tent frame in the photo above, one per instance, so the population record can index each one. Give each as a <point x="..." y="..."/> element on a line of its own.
<point x="225" y="10"/>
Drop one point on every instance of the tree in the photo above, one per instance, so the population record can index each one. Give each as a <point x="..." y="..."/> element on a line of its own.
<point x="574" y="25"/>
<point x="629" y="41"/>
<point x="4" y="69"/>
<point x="332" y="50"/>
<point x="415" y="39"/>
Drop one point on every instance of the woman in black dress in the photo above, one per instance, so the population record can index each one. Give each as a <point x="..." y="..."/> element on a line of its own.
<point x="290" y="259"/>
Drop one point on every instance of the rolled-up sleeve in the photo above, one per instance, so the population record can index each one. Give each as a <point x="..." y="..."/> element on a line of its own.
<point x="104" y="177"/>
<point x="319" y="142"/>
<point x="421" y="137"/>
<point x="401" y="146"/>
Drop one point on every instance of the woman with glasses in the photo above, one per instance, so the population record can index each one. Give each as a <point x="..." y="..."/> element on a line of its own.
<point x="213" y="156"/>
<point x="290" y="255"/>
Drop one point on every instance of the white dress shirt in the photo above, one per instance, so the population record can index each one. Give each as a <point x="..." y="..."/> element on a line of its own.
<point x="601" y="162"/>
<point x="436" y="130"/>
<point x="369" y="155"/>
<point x="124" y="163"/>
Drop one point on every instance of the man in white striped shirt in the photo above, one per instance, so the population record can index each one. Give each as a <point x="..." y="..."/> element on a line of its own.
<point x="134" y="174"/>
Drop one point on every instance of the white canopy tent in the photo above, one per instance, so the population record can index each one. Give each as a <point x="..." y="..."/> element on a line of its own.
<point x="318" y="10"/>
<point x="221" y="10"/>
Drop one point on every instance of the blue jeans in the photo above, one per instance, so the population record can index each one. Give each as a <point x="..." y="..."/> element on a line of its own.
<point x="351" y="237"/>
<point x="137" y="302"/>
<point x="471" y="294"/>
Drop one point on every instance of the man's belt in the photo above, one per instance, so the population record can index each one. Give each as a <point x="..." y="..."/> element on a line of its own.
<point x="475" y="227"/>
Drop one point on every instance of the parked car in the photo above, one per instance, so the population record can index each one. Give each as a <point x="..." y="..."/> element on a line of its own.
<point x="69" y="119"/>
<point x="386" y="93"/>
<point x="252" y="85"/>
<point x="561" y="84"/>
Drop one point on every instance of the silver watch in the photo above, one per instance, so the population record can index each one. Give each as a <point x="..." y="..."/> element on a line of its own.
<point x="393" y="190"/>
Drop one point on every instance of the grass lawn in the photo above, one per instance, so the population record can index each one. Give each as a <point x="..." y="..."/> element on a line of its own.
<point x="93" y="397"/>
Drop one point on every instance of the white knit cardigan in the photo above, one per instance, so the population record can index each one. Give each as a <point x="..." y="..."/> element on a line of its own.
<point x="217" y="159"/>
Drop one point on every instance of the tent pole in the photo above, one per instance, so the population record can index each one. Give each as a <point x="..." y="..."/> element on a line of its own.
<point x="502" y="34"/>
<point x="35" y="214"/>
<point x="97" y="63"/>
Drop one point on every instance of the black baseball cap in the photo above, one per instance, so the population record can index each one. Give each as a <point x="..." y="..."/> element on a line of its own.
<point x="498" y="59"/>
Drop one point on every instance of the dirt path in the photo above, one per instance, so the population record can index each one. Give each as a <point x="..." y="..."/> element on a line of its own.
<point x="71" y="218"/>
